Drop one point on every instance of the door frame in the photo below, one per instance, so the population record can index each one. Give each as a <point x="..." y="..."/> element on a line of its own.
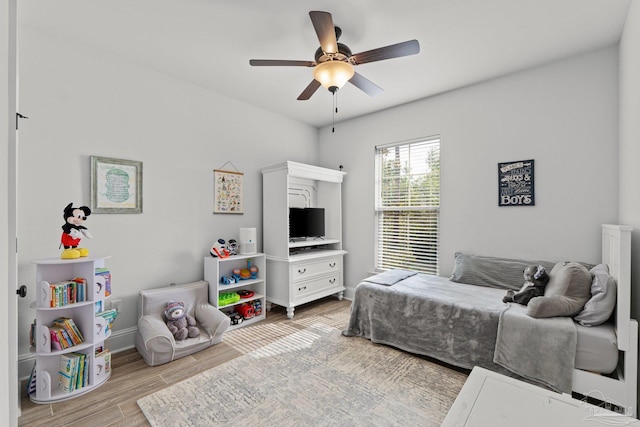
<point x="8" y="227"/>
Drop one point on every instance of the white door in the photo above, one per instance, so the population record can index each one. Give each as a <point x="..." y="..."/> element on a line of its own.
<point x="9" y="404"/>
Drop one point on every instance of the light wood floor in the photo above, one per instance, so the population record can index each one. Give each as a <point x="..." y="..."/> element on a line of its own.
<point x="114" y="403"/>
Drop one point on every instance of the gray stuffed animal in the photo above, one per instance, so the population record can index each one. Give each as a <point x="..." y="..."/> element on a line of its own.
<point x="181" y="324"/>
<point x="536" y="278"/>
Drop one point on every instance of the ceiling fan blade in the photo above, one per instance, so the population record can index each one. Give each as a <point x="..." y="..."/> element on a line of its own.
<point x="280" y="63"/>
<point x="323" y="24"/>
<point x="365" y="85"/>
<point x="310" y="90"/>
<point x="410" y="47"/>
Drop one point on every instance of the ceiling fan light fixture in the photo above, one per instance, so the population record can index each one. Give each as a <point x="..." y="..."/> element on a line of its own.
<point x="333" y="74"/>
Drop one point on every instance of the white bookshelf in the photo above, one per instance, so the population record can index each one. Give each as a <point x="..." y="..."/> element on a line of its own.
<point x="93" y="328"/>
<point x="215" y="268"/>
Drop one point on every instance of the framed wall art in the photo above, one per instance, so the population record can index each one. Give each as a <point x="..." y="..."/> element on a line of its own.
<point x="516" y="183"/>
<point x="116" y="186"/>
<point x="227" y="192"/>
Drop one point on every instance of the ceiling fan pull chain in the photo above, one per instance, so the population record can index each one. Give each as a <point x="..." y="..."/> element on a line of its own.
<point x="334" y="111"/>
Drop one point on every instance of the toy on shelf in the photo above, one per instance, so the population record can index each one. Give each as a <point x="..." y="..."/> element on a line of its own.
<point x="244" y="294"/>
<point x="73" y="231"/>
<point x="219" y="249"/>
<point x="257" y="307"/>
<point x="228" y="280"/>
<point x="245" y="274"/>
<point x="246" y="310"/>
<point x="236" y="274"/>
<point x="232" y="247"/>
<point x="227" y="298"/>
<point x="235" y="318"/>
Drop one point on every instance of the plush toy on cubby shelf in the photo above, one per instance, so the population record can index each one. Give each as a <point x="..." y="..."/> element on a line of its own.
<point x="73" y="231"/>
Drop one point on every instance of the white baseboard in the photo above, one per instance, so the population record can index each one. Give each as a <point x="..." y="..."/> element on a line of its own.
<point x="120" y="340"/>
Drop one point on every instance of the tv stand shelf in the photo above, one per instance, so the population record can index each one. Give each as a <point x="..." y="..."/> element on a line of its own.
<point x="314" y="242"/>
<point x="302" y="270"/>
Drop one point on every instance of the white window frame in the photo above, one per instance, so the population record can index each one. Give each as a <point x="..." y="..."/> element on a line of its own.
<point x="433" y="267"/>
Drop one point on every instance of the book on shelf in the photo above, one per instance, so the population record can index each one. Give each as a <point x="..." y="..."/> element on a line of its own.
<point x="109" y="316"/>
<point x="58" y="334"/>
<point x="74" y="372"/>
<point x="67" y="292"/>
<point x="55" y="340"/>
<point x="68" y="329"/>
<point x="102" y="361"/>
<point x="103" y="278"/>
<point x="31" y="383"/>
<point x="68" y="365"/>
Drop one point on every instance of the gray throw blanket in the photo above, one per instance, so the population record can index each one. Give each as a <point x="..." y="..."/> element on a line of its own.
<point x="458" y="324"/>
<point x="431" y="316"/>
<point x="390" y="277"/>
<point x="542" y="350"/>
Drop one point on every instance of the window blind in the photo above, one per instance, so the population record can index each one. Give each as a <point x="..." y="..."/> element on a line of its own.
<point x="408" y="205"/>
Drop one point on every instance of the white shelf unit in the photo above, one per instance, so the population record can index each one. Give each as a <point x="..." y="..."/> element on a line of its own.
<point x="215" y="268"/>
<point x="53" y="270"/>
<point x="301" y="271"/>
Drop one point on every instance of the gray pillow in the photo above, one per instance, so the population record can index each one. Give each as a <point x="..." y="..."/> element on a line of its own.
<point x="567" y="292"/>
<point x="603" y="298"/>
<point x="503" y="273"/>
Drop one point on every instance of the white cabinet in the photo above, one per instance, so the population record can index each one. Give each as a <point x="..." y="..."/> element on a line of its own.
<point x="302" y="270"/>
<point x="56" y="299"/>
<point x="229" y="297"/>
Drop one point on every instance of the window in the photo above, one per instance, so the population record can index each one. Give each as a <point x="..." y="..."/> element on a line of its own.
<point x="408" y="205"/>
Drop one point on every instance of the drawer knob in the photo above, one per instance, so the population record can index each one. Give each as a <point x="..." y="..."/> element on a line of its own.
<point x="333" y="264"/>
<point x="332" y="281"/>
<point x="302" y="270"/>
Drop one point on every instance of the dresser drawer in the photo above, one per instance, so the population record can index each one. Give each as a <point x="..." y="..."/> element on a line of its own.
<point x="308" y="269"/>
<point x="318" y="284"/>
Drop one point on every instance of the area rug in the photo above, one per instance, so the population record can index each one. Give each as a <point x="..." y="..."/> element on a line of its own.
<point x="312" y="377"/>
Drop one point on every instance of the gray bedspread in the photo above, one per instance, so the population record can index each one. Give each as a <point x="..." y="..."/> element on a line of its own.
<point x="458" y="324"/>
<point x="431" y="316"/>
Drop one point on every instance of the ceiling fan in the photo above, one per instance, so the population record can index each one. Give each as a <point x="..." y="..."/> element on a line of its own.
<point x="334" y="63"/>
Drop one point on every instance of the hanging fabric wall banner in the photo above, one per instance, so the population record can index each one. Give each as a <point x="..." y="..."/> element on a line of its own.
<point x="227" y="187"/>
<point x="515" y="183"/>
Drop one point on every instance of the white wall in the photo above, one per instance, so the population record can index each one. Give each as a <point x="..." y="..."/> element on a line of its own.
<point x="82" y="102"/>
<point x="629" y="193"/>
<point x="563" y="115"/>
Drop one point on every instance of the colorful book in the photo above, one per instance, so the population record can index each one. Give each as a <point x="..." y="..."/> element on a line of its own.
<point x="68" y="364"/>
<point x="109" y="316"/>
<point x="55" y="342"/>
<point x="103" y="362"/>
<point x="69" y="326"/>
<point x="103" y="278"/>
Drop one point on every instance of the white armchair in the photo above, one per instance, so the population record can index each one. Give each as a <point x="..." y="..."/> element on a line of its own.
<point x="155" y="342"/>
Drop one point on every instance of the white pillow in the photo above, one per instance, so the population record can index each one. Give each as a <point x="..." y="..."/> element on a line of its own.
<point x="603" y="298"/>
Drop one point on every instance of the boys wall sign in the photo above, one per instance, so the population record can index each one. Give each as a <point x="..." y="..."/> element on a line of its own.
<point x="515" y="183"/>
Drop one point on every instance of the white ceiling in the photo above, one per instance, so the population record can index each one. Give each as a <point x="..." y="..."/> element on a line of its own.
<point x="209" y="42"/>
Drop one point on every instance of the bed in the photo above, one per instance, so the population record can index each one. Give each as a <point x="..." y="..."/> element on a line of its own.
<point x="467" y="325"/>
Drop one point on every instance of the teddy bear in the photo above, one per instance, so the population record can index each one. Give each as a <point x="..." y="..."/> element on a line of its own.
<point x="181" y="324"/>
<point x="536" y="278"/>
<point x="73" y="231"/>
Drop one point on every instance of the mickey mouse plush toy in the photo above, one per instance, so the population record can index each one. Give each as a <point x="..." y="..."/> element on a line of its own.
<point x="73" y="231"/>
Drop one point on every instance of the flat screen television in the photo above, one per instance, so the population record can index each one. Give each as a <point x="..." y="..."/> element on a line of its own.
<point x="306" y="222"/>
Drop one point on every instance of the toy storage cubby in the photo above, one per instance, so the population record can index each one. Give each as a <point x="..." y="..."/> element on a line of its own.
<point x="216" y="268"/>
<point x="83" y="313"/>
